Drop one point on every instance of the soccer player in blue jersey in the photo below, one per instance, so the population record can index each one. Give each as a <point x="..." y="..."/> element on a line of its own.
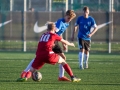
<point x="61" y="25"/>
<point x="85" y="23"/>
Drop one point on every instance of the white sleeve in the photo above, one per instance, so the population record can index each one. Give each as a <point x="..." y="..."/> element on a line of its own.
<point x="94" y="26"/>
<point x="57" y="30"/>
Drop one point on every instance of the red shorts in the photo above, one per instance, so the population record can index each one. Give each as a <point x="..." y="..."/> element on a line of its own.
<point x="40" y="60"/>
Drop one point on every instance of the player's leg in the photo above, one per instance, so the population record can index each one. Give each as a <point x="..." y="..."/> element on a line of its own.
<point x="37" y="64"/>
<point x="65" y="66"/>
<point x="61" y="69"/>
<point x="27" y="75"/>
<point x="57" y="49"/>
<point x="81" y="53"/>
<point x="62" y="55"/>
<point x="68" y="70"/>
<point x="27" y="69"/>
<point x="81" y="57"/>
<point x="86" y="55"/>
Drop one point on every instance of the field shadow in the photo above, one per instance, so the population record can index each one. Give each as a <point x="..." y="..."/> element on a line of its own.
<point x="12" y="59"/>
<point x="59" y="82"/>
<point x="7" y="81"/>
<point x="117" y="84"/>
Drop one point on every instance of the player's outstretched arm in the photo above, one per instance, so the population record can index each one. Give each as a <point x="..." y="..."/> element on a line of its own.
<point x="74" y="31"/>
<point x="93" y="32"/>
<point x="67" y="43"/>
<point x="64" y="45"/>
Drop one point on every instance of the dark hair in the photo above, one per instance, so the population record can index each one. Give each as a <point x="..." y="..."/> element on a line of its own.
<point x="85" y="8"/>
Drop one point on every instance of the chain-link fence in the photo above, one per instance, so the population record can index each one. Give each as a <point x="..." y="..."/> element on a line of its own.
<point x="59" y="5"/>
<point x="12" y="23"/>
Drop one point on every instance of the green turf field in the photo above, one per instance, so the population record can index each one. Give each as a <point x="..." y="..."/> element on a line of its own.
<point x="103" y="73"/>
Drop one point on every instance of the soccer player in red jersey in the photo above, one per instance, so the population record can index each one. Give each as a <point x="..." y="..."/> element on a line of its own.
<point x="61" y="25"/>
<point x="45" y="54"/>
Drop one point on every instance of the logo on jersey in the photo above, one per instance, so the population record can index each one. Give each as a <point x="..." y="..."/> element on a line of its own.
<point x="85" y="26"/>
<point x="89" y="23"/>
<point x="2" y="24"/>
<point x="38" y="29"/>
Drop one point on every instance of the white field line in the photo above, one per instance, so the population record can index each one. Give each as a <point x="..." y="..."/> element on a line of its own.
<point x="68" y="60"/>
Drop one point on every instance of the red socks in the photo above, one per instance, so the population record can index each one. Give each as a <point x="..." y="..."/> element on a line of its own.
<point x="26" y="74"/>
<point x="23" y="74"/>
<point x="68" y="69"/>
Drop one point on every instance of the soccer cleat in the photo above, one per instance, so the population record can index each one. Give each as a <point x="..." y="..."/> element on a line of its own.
<point x="21" y="79"/>
<point x="81" y="67"/>
<point x="75" y="79"/>
<point x="63" y="79"/>
<point x="86" y="66"/>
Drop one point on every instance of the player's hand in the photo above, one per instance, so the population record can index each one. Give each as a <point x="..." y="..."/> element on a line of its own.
<point x="72" y="44"/>
<point x="89" y="35"/>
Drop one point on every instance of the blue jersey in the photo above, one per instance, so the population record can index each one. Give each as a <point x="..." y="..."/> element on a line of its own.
<point x="85" y="25"/>
<point x="61" y="26"/>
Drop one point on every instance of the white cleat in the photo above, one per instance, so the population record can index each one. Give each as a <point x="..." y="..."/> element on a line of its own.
<point x="81" y="67"/>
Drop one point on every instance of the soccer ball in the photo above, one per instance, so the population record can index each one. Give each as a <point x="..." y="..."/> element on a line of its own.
<point x="36" y="76"/>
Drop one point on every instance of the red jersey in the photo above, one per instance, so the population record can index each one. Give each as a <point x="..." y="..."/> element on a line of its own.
<point x="46" y="43"/>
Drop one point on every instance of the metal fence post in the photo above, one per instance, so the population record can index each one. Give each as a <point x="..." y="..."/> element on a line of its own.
<point x="66" y="32"/>
<point x="111" y="25"/>
<point x="24" y="25"/>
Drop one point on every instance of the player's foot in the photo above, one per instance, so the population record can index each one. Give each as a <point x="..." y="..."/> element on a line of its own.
<point x="23" y="74"/>
<point x="86" y="66"/>
<point x="81" y="67"/>
<point x="75" y="79"/>
<point x="63" y="79"/>
<point x="21" y="79"/>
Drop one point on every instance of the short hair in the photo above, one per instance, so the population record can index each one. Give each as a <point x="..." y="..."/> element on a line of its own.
<point x="70" y="13"/>
<point x="50" y="25"/>
<point x="85" y="8"/>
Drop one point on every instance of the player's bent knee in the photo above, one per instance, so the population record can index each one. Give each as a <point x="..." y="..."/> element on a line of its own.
<point x="61" y="61"/>
<point x="86" y="52"/>
<point x="62" y="55"/>
<point x="82" y="50"/>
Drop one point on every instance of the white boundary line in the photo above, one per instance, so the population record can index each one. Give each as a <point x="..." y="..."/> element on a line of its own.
<point x="68" y="60"/>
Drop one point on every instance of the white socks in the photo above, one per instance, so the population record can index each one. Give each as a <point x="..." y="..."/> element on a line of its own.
<point x="29" y="66"/>
<point x="86" y="58"/>
<point x="81" y="55"/>
<point x="61" y="71"/>
<point x="83" y="58"/>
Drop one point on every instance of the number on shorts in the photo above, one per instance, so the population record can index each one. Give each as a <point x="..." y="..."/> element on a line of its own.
<point x="45" y="37"/>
